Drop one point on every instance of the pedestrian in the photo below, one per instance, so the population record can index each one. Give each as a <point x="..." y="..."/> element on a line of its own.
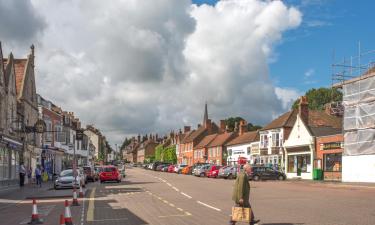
<point x="241" y="192"/>
<point x="38" y="175"/>
<point x="22" y="172"/>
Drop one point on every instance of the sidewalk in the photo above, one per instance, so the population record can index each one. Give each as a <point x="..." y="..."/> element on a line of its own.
<point x="333" y="183"/>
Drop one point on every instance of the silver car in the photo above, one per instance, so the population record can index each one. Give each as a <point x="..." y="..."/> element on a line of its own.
<point x="228" y="172"/>
<point x="66" y="180"/>
<point x="201" y="171"/>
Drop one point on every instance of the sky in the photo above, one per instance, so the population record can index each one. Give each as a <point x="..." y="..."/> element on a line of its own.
<point x="132" y="67"/>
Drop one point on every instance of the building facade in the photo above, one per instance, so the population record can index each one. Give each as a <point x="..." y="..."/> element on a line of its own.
<point x="329" y="150"/>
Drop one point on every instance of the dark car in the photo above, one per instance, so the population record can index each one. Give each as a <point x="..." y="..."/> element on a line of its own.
<point x="90" y="173"/>
<point x="265" y="173"/>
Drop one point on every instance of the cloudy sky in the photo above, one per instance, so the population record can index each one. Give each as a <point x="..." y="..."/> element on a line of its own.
<point x="133" y="66"/>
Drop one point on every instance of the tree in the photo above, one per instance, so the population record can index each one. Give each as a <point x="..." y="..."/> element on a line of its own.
<point x="158" y="152"/>
<point x="317" y="98"/>
<point x="125" y="143"/>
<point x="231" y="121"/>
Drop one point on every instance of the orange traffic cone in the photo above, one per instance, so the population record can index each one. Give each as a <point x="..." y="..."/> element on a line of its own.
<point x="80" y="192"/>
<point x="62" y="219"/>
<point x="34" y="215"/>
<point x="68" y="214"/>
<point x="75" y="200"/>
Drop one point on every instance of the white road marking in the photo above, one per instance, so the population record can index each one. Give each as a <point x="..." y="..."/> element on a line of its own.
<point x="176" y="189"/>
<point x="186" y="195"/>
<point x="211" y="207"/>
<point x="179" y="209"/>
<point x="170" y="185"/>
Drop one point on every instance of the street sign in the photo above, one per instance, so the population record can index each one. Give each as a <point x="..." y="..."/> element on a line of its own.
<point x="79" y="134"/>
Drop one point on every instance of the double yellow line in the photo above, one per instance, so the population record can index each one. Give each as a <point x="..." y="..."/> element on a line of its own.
<point x="90" y="209"/>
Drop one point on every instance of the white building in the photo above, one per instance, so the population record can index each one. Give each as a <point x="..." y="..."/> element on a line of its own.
<point x="246" y="145"/>
<point x="300" y="146"/>
<point x="358" y="161"/>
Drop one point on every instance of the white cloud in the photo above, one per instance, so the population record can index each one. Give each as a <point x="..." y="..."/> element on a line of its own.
<point x="134" y="67"/>
<point x="309" y="73"/>
<point x="287" y="96"/>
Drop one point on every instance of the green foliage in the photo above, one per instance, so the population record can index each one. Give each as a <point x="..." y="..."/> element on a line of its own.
<point x="317" y="98"/>
<point x="169" y="154"/>
<point x="231" y="121"/>
<point x="125" y="143"/>
<point x="149" y="159"/>
<point x="158" y="152"/>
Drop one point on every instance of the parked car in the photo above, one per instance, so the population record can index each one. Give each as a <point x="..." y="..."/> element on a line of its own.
<point x="213" y="171"/>
<point x="171" y="168"/>
<point x="90" y="173"/>
<point x="187" y="170"/>
<point x="110" y="173"/>
<point x="228" y="172"/>
<point x="165" y="168"/>
<point x="66" y="180"/>
<point x="155" y="166"/>
<point x="198" y="165"/>
<point x="265" y="173"/>
<point x="178" y="168"/>
<point x="201" y="171"/>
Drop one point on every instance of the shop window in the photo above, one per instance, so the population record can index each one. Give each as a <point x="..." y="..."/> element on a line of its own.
<point x="248" y="150"/>
<point x="301" y="162"/>
<point x="332" y="162"/>
<point x="229" y="151"/>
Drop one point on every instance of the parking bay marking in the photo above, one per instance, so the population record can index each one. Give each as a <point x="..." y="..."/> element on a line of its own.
<point x="186" y="195"/>
<point x="90" y="209"/>
<point x="211" y="207"/>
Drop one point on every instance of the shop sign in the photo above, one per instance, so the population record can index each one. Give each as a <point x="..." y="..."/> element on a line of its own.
<point x="255" y="150"/>
<point x="331" y="145"/>
<point x="40" y="126"/>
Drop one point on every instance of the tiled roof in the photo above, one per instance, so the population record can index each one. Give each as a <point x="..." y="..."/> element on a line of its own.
<point x="318" y="118"/>
<point x="324" y="131"/>
<point x="247" y="137"/>
<point x="285" y="120"/>
<point x="194" y="134"/>
<point x="221" y="139"/>
<point x="19" y="66"/>
<point x="206" y="140"/>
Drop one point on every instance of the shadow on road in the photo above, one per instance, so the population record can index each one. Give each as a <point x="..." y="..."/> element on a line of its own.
<point x="282" y="223"/>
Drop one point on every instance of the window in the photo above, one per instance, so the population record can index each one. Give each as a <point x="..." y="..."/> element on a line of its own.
<point x="276" y="139"/>
<point x="299" y="162"/>
<point x="332" y="162"/>
<point x="218" y="151"/>
<point x="229" y="151"/>
<point x="263" y="141"/>
<point x="248" y="150"/>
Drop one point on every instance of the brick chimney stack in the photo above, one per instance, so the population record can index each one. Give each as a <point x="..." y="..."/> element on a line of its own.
<point x="208" y="124"/>
<point x="139" y="138"/>
<point x="235" y="126"/>
<point x="186" y="129"/>
<point x="303" y="109"/>
<point x="243" y="127"/>
<point x="222" y="125"/>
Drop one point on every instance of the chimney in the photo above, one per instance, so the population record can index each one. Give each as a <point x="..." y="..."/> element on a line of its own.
<point x="207" y="124"/>
<point x="243" y="127"/>
<point x="156" y="137"/>
<point x="139" y="138"/>
<point x="236" y="126"/>
<point x="199" y="125"/>
<point x="303" y="110"/>
<point x="186" y="129"/>
<point x="222" y="125"/>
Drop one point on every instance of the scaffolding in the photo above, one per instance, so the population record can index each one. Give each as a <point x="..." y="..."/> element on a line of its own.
<point x="356" y="77"/>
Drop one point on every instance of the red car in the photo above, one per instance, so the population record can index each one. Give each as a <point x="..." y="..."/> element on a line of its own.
<point x="109" y="173"/>
<point x="213" y="171"/>
<point x="171" y="168"/>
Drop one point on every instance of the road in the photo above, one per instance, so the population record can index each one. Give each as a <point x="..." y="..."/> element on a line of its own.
<point x="148" y="197"/>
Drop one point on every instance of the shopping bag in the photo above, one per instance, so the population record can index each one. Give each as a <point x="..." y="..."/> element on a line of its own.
<point x="241" y="214"/>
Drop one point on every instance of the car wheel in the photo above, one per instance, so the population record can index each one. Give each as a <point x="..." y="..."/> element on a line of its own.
<point x="230" y="176"/>
<point x="256" y="178"/>
<point x="54" y="187"/>
<point x="201" y="175"/>
<point x="281" y="177"/>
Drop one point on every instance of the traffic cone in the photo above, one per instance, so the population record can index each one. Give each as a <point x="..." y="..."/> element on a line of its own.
<point x="80" y="192"/>
<point x="68" y="214"/>
<point x="75" y="200"/>
<point x="62" y="219"/>
<point x="34" y="215"/>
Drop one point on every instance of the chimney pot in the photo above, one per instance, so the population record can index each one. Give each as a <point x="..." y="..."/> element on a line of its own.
<point x="222" y="125"/>
<point x="186" y="129"/>
<point x="303" y="110"/>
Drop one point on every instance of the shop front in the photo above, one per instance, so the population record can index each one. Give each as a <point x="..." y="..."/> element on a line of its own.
<point x="298" y="162"/>
<point x="10" y="151"/>
<point x="329" y="156"/>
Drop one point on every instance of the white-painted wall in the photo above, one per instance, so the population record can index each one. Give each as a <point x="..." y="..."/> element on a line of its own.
<point x="358" y="168"/>
<point x="237" y="149"/>
<point x="299" y="136"/>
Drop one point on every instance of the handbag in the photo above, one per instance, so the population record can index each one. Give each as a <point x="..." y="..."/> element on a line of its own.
<point x="241" y="214"/>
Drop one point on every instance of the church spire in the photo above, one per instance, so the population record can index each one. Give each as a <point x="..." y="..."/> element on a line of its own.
<point x="205" y="117"/>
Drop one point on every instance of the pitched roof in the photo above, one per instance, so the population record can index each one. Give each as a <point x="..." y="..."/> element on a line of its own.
<point x="206" y="140"/>
<point x="285" y="120"/>
<point x="324" y="131"/>
<point x="318" y="118"/>
<point x="194" y="134"/>
<point x="246" y="137"/>
<point x="221" y="139"/>
<point x="19" y="66"/>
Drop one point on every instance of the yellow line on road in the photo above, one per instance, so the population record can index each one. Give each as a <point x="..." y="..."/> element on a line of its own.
<point x="90" y="209"/>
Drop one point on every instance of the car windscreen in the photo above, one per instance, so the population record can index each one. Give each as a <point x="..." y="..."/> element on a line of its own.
<point x="87" y="169"/>
<point x="66" y="173"/>
<point x="109" y="169"/>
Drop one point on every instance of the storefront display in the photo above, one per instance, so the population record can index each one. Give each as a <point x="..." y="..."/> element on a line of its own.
<point x="332" y="162"/>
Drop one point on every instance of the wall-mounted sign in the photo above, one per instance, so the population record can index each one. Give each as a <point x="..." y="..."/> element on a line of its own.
<point x="331" y="145"/>
<point x="40" y="126"/>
